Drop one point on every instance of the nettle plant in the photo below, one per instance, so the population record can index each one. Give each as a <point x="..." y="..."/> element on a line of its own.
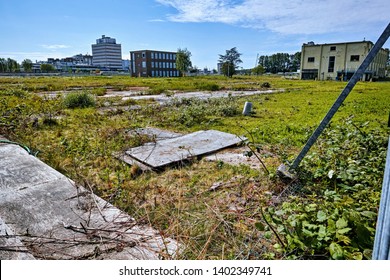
<point x="334" y="214"/>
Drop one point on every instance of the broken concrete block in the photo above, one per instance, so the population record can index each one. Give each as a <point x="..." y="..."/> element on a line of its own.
<point x="183" y="148"/>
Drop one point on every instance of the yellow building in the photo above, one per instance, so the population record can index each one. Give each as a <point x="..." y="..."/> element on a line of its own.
<point x="339" y="61"/>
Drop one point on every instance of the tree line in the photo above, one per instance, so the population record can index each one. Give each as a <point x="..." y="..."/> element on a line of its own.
<point x="10" y="65"/>
<point x="280" y="62"/>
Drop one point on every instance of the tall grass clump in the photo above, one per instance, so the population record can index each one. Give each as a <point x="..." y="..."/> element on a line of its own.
<point x="79" y="100"/>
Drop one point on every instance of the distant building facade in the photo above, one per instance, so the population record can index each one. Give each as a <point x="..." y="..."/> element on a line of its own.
<point x="150" y="63"/>
<point x="76" y="62"/>
<point x="126" y="65"/>
<point x="107" y="54"/>
<point x="339" y="61"/>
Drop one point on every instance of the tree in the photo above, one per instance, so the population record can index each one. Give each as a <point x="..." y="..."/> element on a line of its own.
<point x="27" y="65"/>
<point x="3" y="65"/>
<point x="12" y="65"/>
<point x="47" y="67"/>
<point x="230" y="62"/>
<point x="258" y="70"/>
<point x="183" y="61"/>
<point x="295" y="61"/>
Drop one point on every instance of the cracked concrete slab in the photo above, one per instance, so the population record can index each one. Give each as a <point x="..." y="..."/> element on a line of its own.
<point x="46" y="215"/>
<point x="182" y="148"/>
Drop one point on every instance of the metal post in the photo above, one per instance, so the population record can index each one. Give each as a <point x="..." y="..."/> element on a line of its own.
<point x="352" y="82"/>
<point x="382" y="234"/>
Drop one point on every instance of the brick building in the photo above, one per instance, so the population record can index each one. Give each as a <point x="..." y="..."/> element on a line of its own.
<point x="150" y="63"/>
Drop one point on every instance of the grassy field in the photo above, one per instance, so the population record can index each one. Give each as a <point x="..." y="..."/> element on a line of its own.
<point x="328" y="213"/>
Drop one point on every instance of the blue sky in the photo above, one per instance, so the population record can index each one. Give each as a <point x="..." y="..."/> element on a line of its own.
<point x="39" y="29"/>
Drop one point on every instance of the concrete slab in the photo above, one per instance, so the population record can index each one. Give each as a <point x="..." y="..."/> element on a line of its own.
<point x="235" y="156"/>
<point x="182" y="148"/>
<point x="155" y="134"/>
<point x="11" y="247"/>
<point x="45" y="215"/>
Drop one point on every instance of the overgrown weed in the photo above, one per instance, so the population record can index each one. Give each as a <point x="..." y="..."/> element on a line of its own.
<point x="227" y="222"/>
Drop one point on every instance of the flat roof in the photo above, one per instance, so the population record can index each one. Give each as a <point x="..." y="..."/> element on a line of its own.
<point x="340" y="43"/>
<point x="152" y="51"/>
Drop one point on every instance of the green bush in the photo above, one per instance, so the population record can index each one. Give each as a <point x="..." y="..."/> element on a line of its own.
<point x="99" y="91"/>
<point x="79" y="100"/>
<point x="208" y="86"/>
<point x="334" y="214"/>
<point x="265" y="85"/>
<point x="194" y="111"/>
<point x="16" y="92"/>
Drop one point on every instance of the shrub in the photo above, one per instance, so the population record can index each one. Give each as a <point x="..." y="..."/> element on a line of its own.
<point x="79" y="100"/>
<point x="335" y="218"/>
<point x="16" y="92"/>
<point x="208" y="86"/>
<point x="99" y="91"/>
<point x="265" y="85"/>
<point x="156" y="90"/>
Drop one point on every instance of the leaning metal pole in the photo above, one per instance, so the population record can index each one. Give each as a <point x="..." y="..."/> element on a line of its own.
<point x="352" y="82"/>
<point x="382" y="234"/>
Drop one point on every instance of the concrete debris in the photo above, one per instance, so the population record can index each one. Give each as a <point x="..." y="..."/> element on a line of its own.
<point x="163" y="99"/>
<point x="45" y="215"/>
<point x="236" y="156"/>
<point x="183" y="148"/>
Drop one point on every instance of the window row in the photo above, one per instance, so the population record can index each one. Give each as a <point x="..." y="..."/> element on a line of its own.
<point x="158" y="55"/>
<point x="165" y="73"/>
<point x="163" y="65"/>
<point x="354" y="58"/>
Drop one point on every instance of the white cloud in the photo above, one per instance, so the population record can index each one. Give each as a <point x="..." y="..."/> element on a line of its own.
<point x="156" y="20"/>
<point x="55" y="47"/>
<point x="284" y="16"/>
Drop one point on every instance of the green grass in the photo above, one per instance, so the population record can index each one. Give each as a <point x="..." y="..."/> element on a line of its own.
<point x="228" y="223"/>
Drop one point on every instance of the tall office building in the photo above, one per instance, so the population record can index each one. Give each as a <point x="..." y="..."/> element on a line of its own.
<point x="107" y="54"/>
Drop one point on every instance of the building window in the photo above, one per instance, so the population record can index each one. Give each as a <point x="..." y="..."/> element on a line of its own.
<point x="355" y="57"/>
<point x="310" y="59"/>
<point x="332" y="48"/>
<point x="331" y="64"/>
<point x="143" y="64"/>
<point x="143" y="54"/>
<point x="152" y="64"/>
<point x="152" y="55"/>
